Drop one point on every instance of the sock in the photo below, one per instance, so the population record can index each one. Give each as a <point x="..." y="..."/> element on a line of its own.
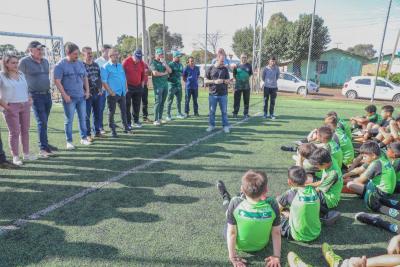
<point x="391" y="227"/>
<point x="392" y="212"/>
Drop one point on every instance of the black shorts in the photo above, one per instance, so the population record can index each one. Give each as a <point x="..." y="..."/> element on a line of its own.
<point x="373" y="132"/>
<point x="372" y="196"/>
<point x="397" y="189"/>
<point x="285" y="228"/>
<point x="322" y="201"/>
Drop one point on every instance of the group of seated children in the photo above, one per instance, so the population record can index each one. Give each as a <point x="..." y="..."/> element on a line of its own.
<point x="362" y="158"/>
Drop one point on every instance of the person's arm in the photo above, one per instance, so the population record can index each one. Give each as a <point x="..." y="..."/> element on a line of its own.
<point x="354" y="172"/>
<point x="208" y="79"/>
<point x="394" y="130"/>
<point x="264" y="71"/>
<point x="315" y="184"/>
<point x="86" y="85"/>
<point x="167" y="68"/>
<point x="4" y="104"/>
<point x="104" y="78"/>
<point x="231" y="242"/>
<point x="156" y="73"/>
<point x="368" y="174"/>
<point x="184" y="74"/>
<point x="275" y="260"/>
<point x="60" y="88"/>
<point x="143" y="76"/>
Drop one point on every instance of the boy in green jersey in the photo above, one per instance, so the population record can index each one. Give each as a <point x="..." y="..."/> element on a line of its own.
<point x="393" y="153"/>
<point x="302" y="222"/>
<point x="344" y="141"/>
<point x="370" y="116"/>
<point x="331" y="143"/>
<point x="341" y="123"/>
<point x="381" y="129"/>
<point x="377" y="178"/>
<point x="252" y="219"/>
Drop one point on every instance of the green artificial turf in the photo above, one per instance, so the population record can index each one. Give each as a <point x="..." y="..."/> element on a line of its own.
<point x="170" y="213"/>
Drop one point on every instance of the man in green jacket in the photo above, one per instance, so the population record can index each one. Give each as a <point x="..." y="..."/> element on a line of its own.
<point x="160" y="71"/>
<point x="175" y="85"/>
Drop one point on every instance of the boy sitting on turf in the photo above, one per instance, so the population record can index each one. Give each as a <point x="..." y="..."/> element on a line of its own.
<point x="331" y="183"/>
<point x="344" y="142"/>
<point x="342" y="124"/>
<point x="371" y="116"/>
<point x="252" y="219"/>
<point x="303" y="154"/>
<point x="325" y="138"/>
<point x="377" y="178"/>
<point x="302" y="222"/>
<point x="392" y="133"/>
<point x="393" y="153"/>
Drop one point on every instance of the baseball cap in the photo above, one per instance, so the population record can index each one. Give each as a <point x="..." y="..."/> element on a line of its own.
<point x="138" y="53"/>
<point x="176" y="54"/>
<point x="35" y="44"/>
<point x="159" y="51"/>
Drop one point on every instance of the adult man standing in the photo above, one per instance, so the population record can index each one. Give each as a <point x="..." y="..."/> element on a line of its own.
<point x="175" y="85"/>
<point x="242" y="74"/>
<point x="135" y="75"/>
<point x="36" y="70"/>
<point x="145" y="95"/>
<point x="160" y="71"/>
<point x="95" y="88"/>
<point x="217" y="77"/>
<point x="114" y="81"/>
<point x="270" y="77"/>
<point x="101" y="61"/>
<point x="191" y="75"/>
<point x="70" y="78"/>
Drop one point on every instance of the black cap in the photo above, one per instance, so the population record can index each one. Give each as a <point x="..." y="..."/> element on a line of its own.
<point x="35" y="44"/>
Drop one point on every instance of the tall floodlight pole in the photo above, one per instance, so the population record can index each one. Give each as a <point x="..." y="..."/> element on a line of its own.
<point x="393" y="55"/>
<point x="380" y="50"/>
<point x="98" y="24"/>
<point x="51" y="29"/>
<point x="137" y="25"/>
<point x="206" y="38"/>
<point x="144" y="34"/>
<point x="163" y="34"/>
<point x="257" y="44"/>
<point x="310" y="47"/>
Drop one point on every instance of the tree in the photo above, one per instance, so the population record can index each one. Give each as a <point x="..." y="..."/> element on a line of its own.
<point x="8" y="49"/>
<point x="126" y="44"/>
<point x="198" y="56"/>
<point x="243" y="41"/>
<point x="172" y="40"/>
<point x="298" y="40"/>
<point x="275" y="41"/>
<point x="364" y="50"/>
<point x="212" y="41"/>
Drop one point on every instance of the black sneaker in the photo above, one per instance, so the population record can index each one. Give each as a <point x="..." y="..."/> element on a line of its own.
<point x="246" y="116"/>
<point x="114" y="134"/>
<point x="196" y="114"/>
<point x="52" y="148"/>
<point x="223" y="192"/>
<point x="331" y="217"/>
<point x="7" y="165"/>
<point x="371" y="219"/>
<point x="288" y="148"/>
<point x="234" y="115"/>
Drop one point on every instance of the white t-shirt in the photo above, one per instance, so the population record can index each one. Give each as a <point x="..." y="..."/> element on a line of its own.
<point x="13" y="91"/>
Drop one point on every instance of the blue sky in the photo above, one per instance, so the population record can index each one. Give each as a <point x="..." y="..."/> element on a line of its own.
<point x="349" y="21"/>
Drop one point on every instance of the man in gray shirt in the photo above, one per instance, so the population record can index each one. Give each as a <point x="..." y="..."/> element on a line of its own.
<point x="36" y="70"/>
<point x="270" y="77"/>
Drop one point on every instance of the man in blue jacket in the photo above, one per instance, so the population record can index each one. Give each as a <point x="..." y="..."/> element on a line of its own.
<point x="191" y="75"/>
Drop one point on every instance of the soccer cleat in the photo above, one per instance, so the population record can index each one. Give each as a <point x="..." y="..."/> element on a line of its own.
<point x="89" y="138"/>
<point x="100" y="135"/>
<point x="288" y="148"/>
<point x="17" y="161"/>
<point x="295" y="261"/>
<point x="196" y="115"/>
<point x="331" y="258"/>
<point x="226" y="129"/>
<point x="102" y="131"/>
<point x="273" y="117"/>
<point x="210" y="129"/>
<point x="246" y="116"/>
<point x="331" y="217"/>
<point x="371" y="219"/>
<point x="223" y="192"/>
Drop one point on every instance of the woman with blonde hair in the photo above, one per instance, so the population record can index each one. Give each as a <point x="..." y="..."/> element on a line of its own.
<point x="17" y="103"/>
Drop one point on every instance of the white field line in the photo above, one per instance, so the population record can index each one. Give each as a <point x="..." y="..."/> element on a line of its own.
<point x="37" y="215"/>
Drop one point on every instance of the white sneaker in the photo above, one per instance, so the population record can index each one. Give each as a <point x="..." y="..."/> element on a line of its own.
<point x="156" y="123"/>
<point x="138" y="125"/>
<point x="44" y="154"/>
<point x="169" y="118"/>
<point x="85" y="142"/>
<point x="30" y="157"/>
<point x="102" y="131"/>
<point x="70" y="146"/>
<point x="210" y="129"/>
<point x="226" y="129"/>
<point x="163" y="121"/>
<point x="180" y="116"/>
<point x="17" y="161"/>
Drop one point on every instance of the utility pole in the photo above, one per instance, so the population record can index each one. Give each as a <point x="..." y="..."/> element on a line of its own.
<point x="257" y="44"/>
<point x="393" y="55"/>
<point x="144" y="34"/>
<point x="137" y="25"/>
<point x="163" y="35"/>
<point x="51" y="31"/>
<point x="380" y="50"/>
<point x="310" y="47"/>
<point x="98" y="24"/>
<point x="205" y="52"/>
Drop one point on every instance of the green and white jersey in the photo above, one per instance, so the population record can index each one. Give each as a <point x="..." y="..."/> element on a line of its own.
<point x="346" y="146"/>
<point x="160" y="81"/>
<point x="304" y="206"/>
<point x="331" y="184"/>
<point x="396" y="167"/>
<point x="382" y="174"/>
<point x="345" y="127"/>
<point x="334" y="149"/>
<point x="254" y="222"/>
<point x="175" y="77"/>
<point x="375" y="118"/>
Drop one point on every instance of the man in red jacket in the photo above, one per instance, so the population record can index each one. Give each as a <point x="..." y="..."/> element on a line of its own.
<point x="135" y="76"/>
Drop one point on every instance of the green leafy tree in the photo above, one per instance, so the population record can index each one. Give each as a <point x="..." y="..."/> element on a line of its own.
<point x="243" y="41"/>
<point x="198" y="56"/>
<point x="126" y="44"/>
<point x="9" y="49"/>
<point x="275" y="38"/>
<point x="364" y="50"/>
<point x="172" y="40"/>
<point x="298" y="40"/>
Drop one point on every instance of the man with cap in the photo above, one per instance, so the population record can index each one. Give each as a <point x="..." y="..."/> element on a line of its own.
<point x="160" y="71"/>
<point x="135" y="75"/>
<point x="175" y="85"/>
<point x="36" y="70"/>
<point x="242" y="73"/>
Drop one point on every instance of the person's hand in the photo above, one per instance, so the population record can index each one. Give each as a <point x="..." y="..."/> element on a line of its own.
<point x="272" y="261"/>
<point x="355" y="262"/>
<point x="394" y="245"/>
<point x="112" y="93"/>
<point x="238" y="262"/>
<point x="87" y="95"/>
<point x="346" y="175"/>
<point x="100" y="93"/>
<point x="67" y="98"/>
<point x="218" y="81"/>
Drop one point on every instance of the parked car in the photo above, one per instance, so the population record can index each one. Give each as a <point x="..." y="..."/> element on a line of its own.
<point x="202" y="74"/>
<point x="363" y="86"/>
<point x="288" y="82"/>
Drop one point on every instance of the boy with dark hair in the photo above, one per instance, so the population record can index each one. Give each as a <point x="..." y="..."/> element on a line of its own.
<point x="342" y="124"/>
<point x="331" y="183"/>
<point x="393" y="153"/>
<point x="303" y="154"/>
<point x="251" y="219"/>
<point x="380" y="129"/>
<point x="344" y="142"/>
<point x="325" y="137"/>
<point x="378" y="178"/>
<point x="302" y="222"/>
<point x="371" y="116"/>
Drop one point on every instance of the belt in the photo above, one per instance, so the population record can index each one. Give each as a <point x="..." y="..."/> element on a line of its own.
<point x="40" y="93"/>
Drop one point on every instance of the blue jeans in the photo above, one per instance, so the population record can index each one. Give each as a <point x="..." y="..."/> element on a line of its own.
<point x="102" y="103"/>
<point x="78" y="104"/>
<point x="93" y="107"/>
<point x="223" y="105"/>
<point x="191" y="93"/>
<point x="41" y="109"/>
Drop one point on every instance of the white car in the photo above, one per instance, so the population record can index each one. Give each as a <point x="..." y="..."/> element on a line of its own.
<point x="363" y="86"/>
<point x="291" y="83"/>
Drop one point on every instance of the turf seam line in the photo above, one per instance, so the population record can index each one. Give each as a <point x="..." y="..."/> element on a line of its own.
<point x="17" y="224"/>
